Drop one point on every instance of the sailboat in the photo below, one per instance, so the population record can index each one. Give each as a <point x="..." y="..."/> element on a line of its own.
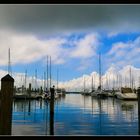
<point x="99" y="92"/>
<point x="58" y="90"/>
<point x="92" y="88"/>
<point x="47" y="94"/>
<point x="23" y="93"/>
<point x="126" y="93"/>
<point x="85" y="91"/>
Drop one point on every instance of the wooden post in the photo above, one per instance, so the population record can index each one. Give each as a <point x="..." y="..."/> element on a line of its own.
<point x="138" y="94"/>
<point x="7" y="88"/>
<point x="52" y="101"/>
<point x="41" y="90"/>
<point x="52" y="123"/>
<point x="52" y="111"/>
<point x="29" y="90"/>
<point x="29" y="94"/>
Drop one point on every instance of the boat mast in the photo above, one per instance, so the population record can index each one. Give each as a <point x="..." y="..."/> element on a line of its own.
<point x="9" y="63"/>
<point x="125" y="81"/>
<point x="47" y="74"/>
<point x="36" y="79"/>
<point x="120" y="81"/>
<point x="50" y="71"/>
<point x="84" y="84"/>
<point x="130" y="78"/>
<point x="133" y="82"/>
<point x="107" y="87"/>
<point x="100" y="71"/>
<point x="94" y="81"/>
<point x="25" y="78"/>
<point x="109" y="82"/>
<point x="113" y="82"/>
<point x="57" y="78"/>
<point x="92" y="84"/>
<point x="44" y="80"/>
<point x="32" y="82"/>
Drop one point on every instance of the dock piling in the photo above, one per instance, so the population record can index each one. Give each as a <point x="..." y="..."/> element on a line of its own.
<point x="138" y="94"/>
<point x="29" y="90"/>
<point x="7" y="89"/>
<point x="52" y="111"/>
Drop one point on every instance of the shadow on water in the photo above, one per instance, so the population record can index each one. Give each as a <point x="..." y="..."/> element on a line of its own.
<point x="100" y="115"/>
<point x="29" y="107"/>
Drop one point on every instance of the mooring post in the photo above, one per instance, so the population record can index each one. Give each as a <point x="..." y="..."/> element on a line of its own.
<point x="52" y="111"/>
<point x="7" y="89"/>
<point x="29" y="102"/>
<point x="138" y="94"/>
<point x="52" y="100"/>
<point x="29" y="90"/>
<point x="41" y="90"/>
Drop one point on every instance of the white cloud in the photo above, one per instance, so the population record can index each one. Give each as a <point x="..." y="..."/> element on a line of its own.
<point x="86" y="47"/>
<point x="113" y="77"/>
<point x="28" y="48"/>
<point x="113" y="34"/>
<point x="124" y="53"/>
<point x="84" y="64"/>
<point x="118" y="48"/>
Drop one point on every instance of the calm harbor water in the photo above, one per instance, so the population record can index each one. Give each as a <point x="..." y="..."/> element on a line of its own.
<point x="76" y="114"/>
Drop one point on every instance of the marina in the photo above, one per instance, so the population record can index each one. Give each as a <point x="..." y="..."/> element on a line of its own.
<point x="70" y="70"/>
<point x="76" y="114"/>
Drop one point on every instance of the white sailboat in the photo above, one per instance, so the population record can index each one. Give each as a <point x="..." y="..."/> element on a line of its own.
<point x="85" y="91"/>
<point x="126" y="93"/>
<point x="99" y="92"/>
<point x="47" y="94"/>
<point x="92" y="88"/>
<point x="58" y="90"/>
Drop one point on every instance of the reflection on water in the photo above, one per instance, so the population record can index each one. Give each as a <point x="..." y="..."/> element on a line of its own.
<point x="76" y="115"/>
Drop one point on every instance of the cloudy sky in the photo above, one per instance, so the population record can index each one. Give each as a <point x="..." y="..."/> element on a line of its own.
<point x="73" y="35"/>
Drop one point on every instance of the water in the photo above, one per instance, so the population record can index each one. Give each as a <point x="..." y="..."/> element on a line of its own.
<point x="76" y="115"/>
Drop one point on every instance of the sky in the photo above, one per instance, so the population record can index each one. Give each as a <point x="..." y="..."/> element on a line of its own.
<point x="73" y="35"/>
